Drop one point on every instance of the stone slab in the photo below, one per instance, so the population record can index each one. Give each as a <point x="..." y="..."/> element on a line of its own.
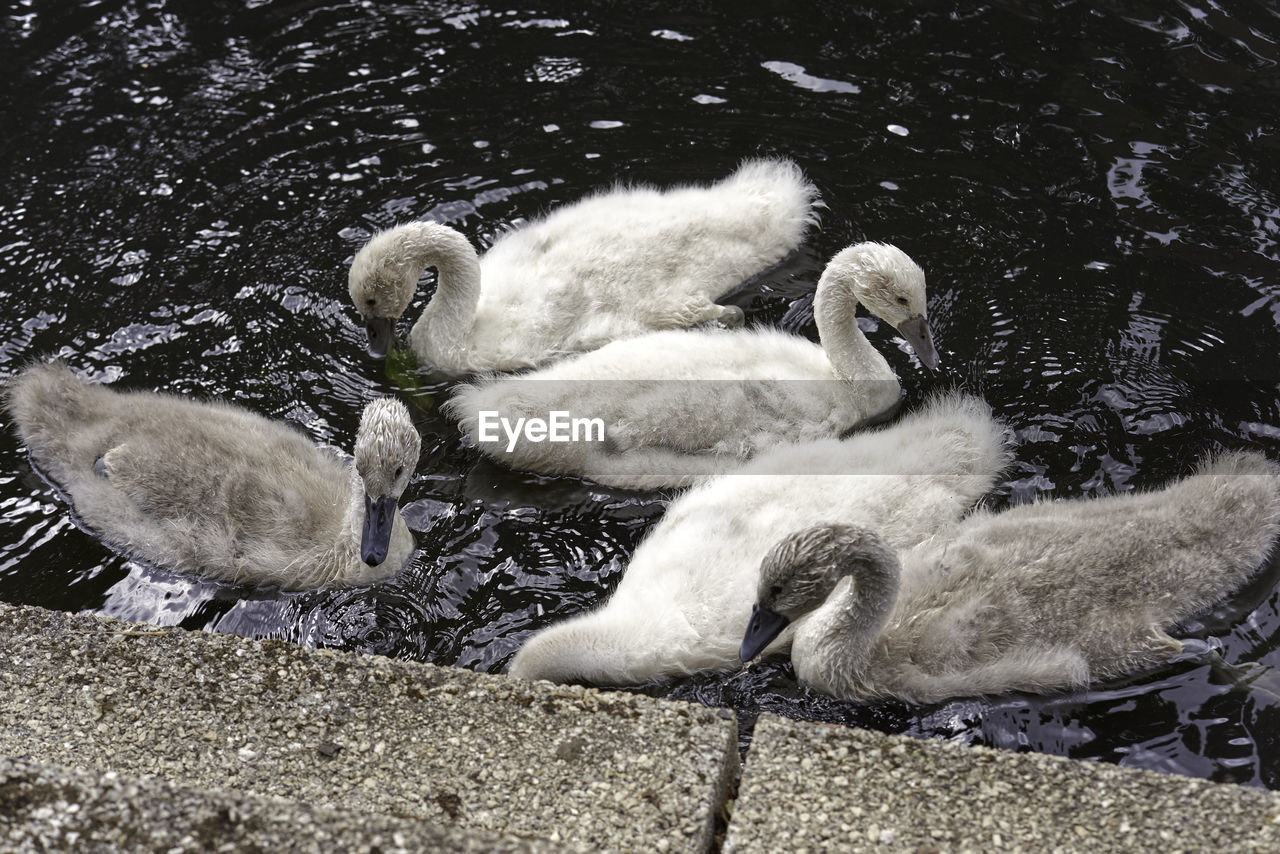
<point x="363" y="734"/>
<point x="817" y="787"/>
<point x="47" y="808"/>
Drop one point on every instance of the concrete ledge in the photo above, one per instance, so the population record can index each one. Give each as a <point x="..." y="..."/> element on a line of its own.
<point x="45" y="808"/>
<point x="362" y="734"/>
<point x="817" y="787"/>
<point x="128" y="737"/>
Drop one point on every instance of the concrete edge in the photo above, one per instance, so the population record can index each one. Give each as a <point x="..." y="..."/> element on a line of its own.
<point x="827" y="787"/>
<point x="51" y="808"/>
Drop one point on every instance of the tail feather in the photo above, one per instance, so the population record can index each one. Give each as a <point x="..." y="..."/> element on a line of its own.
<point x="1231" y="507"/>
<point x="791" y="194"/>
<point x="48" y="387"/>
<point x="955" y="433"/>
<point x="52" y="410"/>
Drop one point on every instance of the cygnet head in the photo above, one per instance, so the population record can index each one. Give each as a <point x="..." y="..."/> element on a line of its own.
<point x="386" y="453"/>
<point x="800" y="572"/>
<point x="382" y="281"/>
<point x="891" y="286"/>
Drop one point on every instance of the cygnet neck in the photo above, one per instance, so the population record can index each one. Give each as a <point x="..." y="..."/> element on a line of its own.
<point x="452" y="307"/>
<point x="840" y="633"/>
<point x="852" y="356"/>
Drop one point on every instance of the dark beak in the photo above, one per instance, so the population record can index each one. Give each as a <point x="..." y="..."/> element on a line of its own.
<point x="765" y="625"/>
<point x="916" y="331"/>
<point x="380" y="330"/>
<point x="379" y="519"/>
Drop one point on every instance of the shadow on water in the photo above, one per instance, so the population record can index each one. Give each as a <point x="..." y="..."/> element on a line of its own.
<point x="1092" y="192"/>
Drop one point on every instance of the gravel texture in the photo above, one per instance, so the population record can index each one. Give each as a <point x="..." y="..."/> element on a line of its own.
<point x="125" y="737"/>
<point x="362" y="733"/>
<point x="809" y="787"/>
<point x="46" y="808"/>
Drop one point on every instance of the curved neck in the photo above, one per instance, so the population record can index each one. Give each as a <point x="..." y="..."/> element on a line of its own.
<point x="331" y="563"/>
<point x="453" y="306"/>
<point x="832" y="647"/>
<point x="347" y="545"/>
<point x="340" y="563"/>
<point x="851" y="355"/>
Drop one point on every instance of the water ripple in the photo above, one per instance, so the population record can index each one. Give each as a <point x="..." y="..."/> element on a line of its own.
<point x="1094" y="205"/>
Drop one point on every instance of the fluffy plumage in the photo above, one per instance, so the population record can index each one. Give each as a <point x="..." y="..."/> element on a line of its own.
<point x="610" y="266"/>
<point x="686" y="595"/>
<point x="682" y="403"/>
<point x="213" y="489"/>
<point x="1042" y="597"/>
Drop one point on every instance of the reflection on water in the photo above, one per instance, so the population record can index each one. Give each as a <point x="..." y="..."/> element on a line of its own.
<point x="151" y="595"/>
<point x="1091" y="192"/>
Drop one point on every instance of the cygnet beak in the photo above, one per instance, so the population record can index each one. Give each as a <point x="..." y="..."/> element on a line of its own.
<point x="916" y="331"/>
<point x="379" y="519"/>
<point x="764" y="626"/>
<point x="380" y="331"/>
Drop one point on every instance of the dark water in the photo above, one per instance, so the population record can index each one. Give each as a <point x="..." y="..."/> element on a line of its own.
<point x="1093" y="192"/>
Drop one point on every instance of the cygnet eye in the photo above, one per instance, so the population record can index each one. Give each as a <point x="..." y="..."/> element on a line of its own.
<point x="371" y="302"/>
<point x="902" y="301"/>
<point x="399" y="471"/>
<point x="775" y="591"/>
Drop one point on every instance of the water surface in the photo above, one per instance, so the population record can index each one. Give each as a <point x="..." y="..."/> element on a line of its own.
<point x="1091" y="190"/>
